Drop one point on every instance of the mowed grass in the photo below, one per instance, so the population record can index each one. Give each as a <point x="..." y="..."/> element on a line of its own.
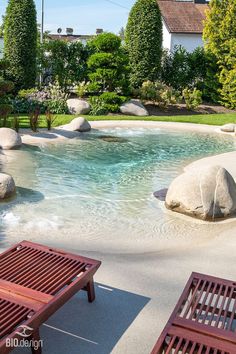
<point x="209" y="119"/>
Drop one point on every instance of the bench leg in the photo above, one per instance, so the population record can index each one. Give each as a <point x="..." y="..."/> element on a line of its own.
<point x="36" y="337"/>
<point x="90" y="291"/>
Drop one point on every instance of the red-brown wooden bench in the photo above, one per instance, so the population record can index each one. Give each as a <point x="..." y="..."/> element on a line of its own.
<point x="204" y="319"/>
<point x="35" y="281"/>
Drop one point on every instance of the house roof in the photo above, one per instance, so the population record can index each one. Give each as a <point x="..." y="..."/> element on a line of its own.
<point x="183" y="17"/>
<point x="70" y="38"/>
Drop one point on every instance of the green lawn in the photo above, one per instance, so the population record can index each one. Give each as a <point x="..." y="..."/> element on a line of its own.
<point x="210" y="119"/>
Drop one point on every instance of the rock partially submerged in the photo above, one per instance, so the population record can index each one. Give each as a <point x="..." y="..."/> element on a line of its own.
<point x="228" y="128"/>
<point x="7" y="186"/>
<point x="9" y="139"/>
<point x="134" y="108"/>
<point x="79" y="124"/>
<point x="161" y="194"/>
<point x="207" y="194"/>
<point x="112" y="139"/>
<point x="78" y="106"/>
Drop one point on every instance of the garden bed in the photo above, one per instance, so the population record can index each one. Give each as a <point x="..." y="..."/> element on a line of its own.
<point x="180" y="109"/>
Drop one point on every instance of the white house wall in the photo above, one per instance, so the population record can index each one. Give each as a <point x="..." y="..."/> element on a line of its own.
<point x="188" y="41"/>
<point x="166" y="37"/>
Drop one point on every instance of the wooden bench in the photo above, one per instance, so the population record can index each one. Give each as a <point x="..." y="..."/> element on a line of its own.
<point x="204" y="319"/>
<point x="35" y="281"/>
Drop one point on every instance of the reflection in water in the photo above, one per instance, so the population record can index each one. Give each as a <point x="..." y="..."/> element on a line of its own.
<point x="89" y="192"/>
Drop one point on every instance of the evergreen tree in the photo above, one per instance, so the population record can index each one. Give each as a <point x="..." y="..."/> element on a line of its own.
<point x="108" y="65"/>
<point x="2" y="27"/>
<point x="20" y="42"/>
<point x="144" y="41"/>
<point x="220" y="43"/>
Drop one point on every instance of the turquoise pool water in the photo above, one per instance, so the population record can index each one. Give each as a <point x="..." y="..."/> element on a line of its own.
<point x="95" y="191"/>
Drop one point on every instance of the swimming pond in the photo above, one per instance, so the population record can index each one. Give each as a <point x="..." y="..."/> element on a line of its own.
<point x="96" y="192"/>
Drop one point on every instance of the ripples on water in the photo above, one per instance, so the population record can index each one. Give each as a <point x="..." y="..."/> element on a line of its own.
<point x="91" y="189"/>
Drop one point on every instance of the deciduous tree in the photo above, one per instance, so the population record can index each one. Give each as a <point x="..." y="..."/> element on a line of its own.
<point x="220" y="43"/>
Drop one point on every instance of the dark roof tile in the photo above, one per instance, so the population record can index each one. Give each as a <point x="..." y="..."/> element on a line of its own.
<point x="183" y="17"/>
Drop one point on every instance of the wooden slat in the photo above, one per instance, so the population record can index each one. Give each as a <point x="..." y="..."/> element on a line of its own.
<point x="12" y="288"/>
<point x="204" y="319"/>
<point x="35" y="281"/>
<point x="175" y="340"/>
<point x="12" y="315"/>
<point x="40" y="268"/>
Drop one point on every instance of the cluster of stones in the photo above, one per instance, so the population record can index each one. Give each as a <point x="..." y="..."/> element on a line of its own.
<point x="207" y="194"/>
<point x="132" y="107"/>
<point x="9" y="140"/>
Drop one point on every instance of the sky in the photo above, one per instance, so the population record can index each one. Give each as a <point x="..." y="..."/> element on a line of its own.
<point x="84" y="16"/>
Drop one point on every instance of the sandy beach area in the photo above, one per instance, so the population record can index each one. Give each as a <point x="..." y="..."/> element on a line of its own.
<point x="59" y="135"/>
<point x="138" y="288"/>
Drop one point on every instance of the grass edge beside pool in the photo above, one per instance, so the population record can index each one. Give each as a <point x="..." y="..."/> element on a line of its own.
<point x="208" y="119"/>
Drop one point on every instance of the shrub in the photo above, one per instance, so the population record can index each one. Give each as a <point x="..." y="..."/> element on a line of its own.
<point x="34" y="119"/>
<point x="159" y="93"/>
<point x="56" y="99"/>
<point x="5" y="88"/>
<point x="108" y="66"/>
<point x="57" y="106"/>
<point x="97" y="107"/>
<point x="112" y="101"/>
<point x="148" y="91"/>
<point x="193" y="98"/>
<point x="5" y="110"/>
<point x="52" y="98"/>
<point x="24" y="105"/>
<point x="82" y="89"/>
<point x="144" y="41"/>
<point x="212" y="86"/>
<point x="181" y="69"/>
<point x="107" y="102"/>
<point x="26" y="93"/>
<point x="50" y="118"/>
<point x="106" y="42"/>
<point x="20" y="41"/>
<point x="16" y="123"/>
<point x="63" y="62"/>
<point x="228" y="91"/>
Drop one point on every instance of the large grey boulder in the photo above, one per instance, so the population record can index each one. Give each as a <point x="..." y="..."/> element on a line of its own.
<point x="9" y="139"/>
<point x="7" y="186"/>
<point x="207" y="194"/>
<point x="79" y="124"/>
<point x="134" y="108"/>
<point x="228" y="128"/>
<point x="78" y="106"/>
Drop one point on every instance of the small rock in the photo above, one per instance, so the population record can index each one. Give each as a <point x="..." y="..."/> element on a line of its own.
<point x="7" y="186"/>
<point x="112" y="139"/>
<point x="161" y="194"/>
<point x="135" y="108"/>
<point x="78" y="106"/>
<point x="228" y="128"/>
<point x="79" y="124"/>
<point x="9" y="139"/>
<point x="207" y="194"/>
